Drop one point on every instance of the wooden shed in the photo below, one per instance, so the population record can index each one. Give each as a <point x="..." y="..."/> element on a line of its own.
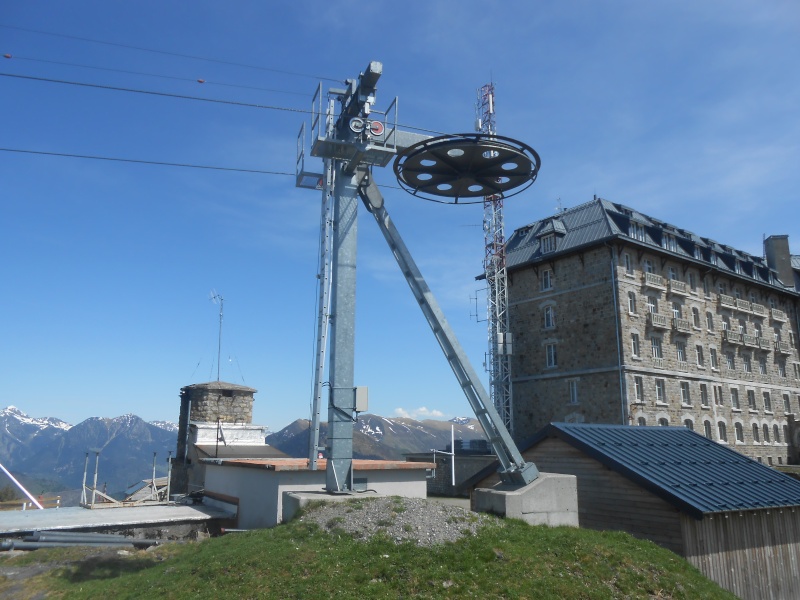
<point x="736" y="520"/>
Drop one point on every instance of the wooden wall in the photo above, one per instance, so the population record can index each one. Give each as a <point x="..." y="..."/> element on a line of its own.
<point x="606" y="500"/>
<point x="754" y="554"/>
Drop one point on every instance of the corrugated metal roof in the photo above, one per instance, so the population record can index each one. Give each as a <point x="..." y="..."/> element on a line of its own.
<point x="694" y="474"/>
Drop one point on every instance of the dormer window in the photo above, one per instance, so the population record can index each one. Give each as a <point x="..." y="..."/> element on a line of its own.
<point x="548" y="243"/>
<point x="636" y="231"/>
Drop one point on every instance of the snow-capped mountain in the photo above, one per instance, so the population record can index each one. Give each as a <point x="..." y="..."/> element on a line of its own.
<point x="379" y="437"/>
<point x="50" y="449"/>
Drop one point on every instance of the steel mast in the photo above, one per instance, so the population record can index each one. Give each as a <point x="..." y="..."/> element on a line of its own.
<point x="494" y="265"/>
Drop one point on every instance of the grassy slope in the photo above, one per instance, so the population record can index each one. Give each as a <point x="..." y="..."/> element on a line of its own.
<point x="300" y="561"/>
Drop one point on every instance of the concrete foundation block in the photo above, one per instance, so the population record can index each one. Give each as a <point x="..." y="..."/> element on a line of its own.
<point x="552" y="499"/>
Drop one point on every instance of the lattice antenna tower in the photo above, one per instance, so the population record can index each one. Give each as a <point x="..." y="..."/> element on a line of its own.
<point x="494" y="264"/>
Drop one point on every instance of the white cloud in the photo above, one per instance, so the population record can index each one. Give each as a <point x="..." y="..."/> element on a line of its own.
<point x="419" y="413"/>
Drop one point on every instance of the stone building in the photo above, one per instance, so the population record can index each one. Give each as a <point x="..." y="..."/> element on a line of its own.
<point x="618" y="317"/>
<point x="215" y="421"/>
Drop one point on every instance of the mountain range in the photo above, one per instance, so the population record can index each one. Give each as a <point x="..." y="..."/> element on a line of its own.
<point x="52" y="454"/>
<point x="381" y="438"/>
<point x="47" y="454"/>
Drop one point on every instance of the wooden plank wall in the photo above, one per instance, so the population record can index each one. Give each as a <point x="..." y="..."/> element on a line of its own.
<point x="754" y="554"/>
<point x="606" y="500"/>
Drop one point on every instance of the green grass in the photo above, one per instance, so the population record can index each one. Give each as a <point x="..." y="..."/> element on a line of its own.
<point x="300" y="560"/>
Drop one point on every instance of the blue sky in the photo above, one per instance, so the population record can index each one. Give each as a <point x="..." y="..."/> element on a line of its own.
<point x="687" y="111"/>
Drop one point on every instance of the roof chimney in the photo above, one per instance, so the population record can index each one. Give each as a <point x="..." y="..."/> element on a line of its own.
<point x="776" y="247"/>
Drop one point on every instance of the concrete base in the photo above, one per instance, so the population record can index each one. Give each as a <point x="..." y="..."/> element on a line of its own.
<point x="293" y="502"/>
<point x="552" y="499"/>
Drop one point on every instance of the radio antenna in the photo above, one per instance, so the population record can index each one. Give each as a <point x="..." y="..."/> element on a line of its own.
<point x="217" y="299"/>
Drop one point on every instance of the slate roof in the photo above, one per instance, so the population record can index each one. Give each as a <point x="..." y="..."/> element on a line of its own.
<point x="696" y="475"/>
<point x="601" y="221"/>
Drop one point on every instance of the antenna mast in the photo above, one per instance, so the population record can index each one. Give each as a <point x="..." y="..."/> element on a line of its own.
<point x="494" y="265"/>
<point x="217" y="299"/>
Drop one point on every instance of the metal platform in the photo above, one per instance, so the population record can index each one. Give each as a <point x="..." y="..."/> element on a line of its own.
<point x="77" y="518"/>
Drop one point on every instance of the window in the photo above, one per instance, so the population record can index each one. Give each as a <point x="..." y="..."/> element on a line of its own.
<point x="632" y="302"/>
<point x="767" y="402"/>
<point x="707" y="429"/>
<point x="722" y="289"/>
<point x="686" y="397"/>
<point x="655" y="346"/>
<point x="709" y="321"/>
<point x="737" y="293"/>
<point x="548" y="243"/>
<point x="549" y="317"/>
<point x="680" y="348"/>
<point x="766" y="433"/>
<point x="726" y="323"/>
<point x="547" y="279"/>
<point x="785" y="434"/>
<point x="692" y="282"/>
<point x="676" y="310"/>
<point x="737" y="427"/>
<point x="706" y="288"/>
<point x="626" y="260"/>
<point x="652" y="304"/>
<point x="661" y="391"/>
<point x="730" y="360"/>
<point x="688" y="424"/>
<point x="796" y="368"/>
<point x="695" y="317"/>
<point x="718" y="399"/>
<point x="751" y="399"/>
<point x="712" y="257"/>
<point x="673" y="274"/>
<point x="742" y="326"/>
<point x="573" y="391"/>
<point x="635" y="348"/>
<point x="756" y="330"/>
<point x="663" y="422"/>
<point x="636" y="231"/>
<point x="698" y="351"/>
<point x="669" y="242"/>
<point x="756" y="434"/>
<point x="648" y="266"/>
<point x="735" y="398"/>
<point x="762" y="365"/>
<point x="786" y="406"/>
<point x="550" y="350"/>
<point x="753" y="298"/>
<point x="641" y="421"/>
<point x="638" y="386"/>
<point x="776" y="434"/>
<point x="713" y="356"/>
<point x="781" y="369"/>
<point x="703" y="394"/>
<point x="723" y="431"/>
<point x="748" y="367"/>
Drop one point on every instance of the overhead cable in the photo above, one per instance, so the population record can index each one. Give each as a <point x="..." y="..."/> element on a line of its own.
<point x="145" y="162"/>
<point x="164" y="52"/>
<point x="152" y="93"/>
<point x="172" y="77"/>
<point x="186" y="97"/>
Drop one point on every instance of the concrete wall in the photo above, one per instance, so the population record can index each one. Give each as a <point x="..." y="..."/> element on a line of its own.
<point x="260" y="491"/>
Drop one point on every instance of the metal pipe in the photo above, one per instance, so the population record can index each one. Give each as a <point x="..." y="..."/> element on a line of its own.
<point x="96" y="466"/>
<point x="21" y="487"/>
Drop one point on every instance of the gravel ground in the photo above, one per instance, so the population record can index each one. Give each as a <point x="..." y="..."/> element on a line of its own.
<point x="423" y="522"/>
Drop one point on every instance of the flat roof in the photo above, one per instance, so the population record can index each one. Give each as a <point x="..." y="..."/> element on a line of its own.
<point x="301" y="464"/>
<point x="76" y="517"/>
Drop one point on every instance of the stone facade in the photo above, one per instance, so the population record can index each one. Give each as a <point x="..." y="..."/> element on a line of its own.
<point x="620" y="332"/>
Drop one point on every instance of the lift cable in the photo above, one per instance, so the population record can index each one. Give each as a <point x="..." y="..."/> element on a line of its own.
<point x="145" y="162"/>
<point x="172" y="77"/>
<point x="186" y="97"/>
<point x="164" y="52"/>
<point x="152" y="93"/>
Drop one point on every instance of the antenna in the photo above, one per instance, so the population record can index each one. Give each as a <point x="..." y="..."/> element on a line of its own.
<point x="217" y="299"/>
